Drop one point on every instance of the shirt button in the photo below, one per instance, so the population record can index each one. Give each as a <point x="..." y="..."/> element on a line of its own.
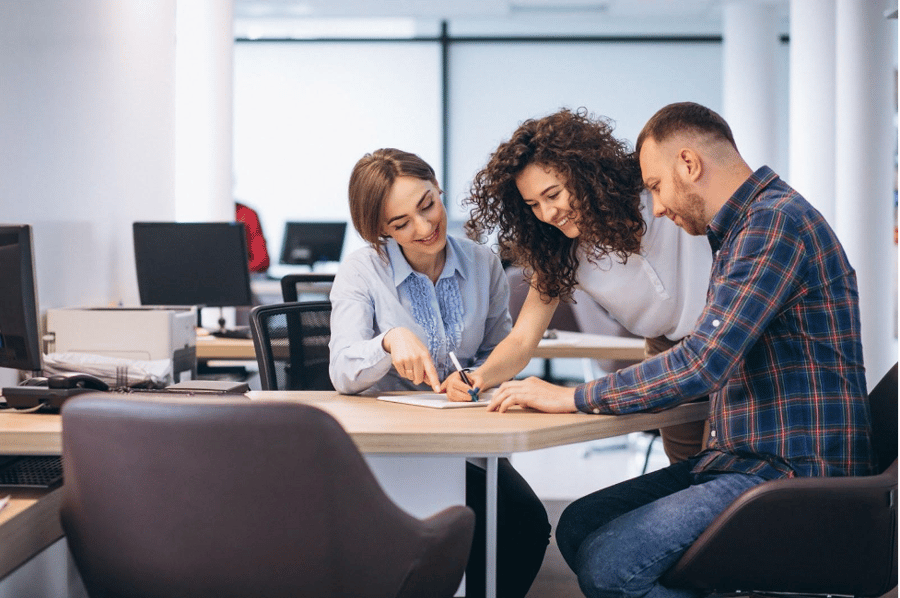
<point x="716" y="323"/>
<point x="712" y="433"/>
<point x="596" y="411"/>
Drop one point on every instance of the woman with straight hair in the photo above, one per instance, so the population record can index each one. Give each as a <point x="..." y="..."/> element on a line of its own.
<point x="401" y="305"/>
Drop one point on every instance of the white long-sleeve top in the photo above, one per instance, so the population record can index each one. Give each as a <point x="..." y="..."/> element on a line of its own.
<point x="659" y="292"/>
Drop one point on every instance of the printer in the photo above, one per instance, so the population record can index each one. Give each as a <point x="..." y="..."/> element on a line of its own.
<point x="139" y="333"/>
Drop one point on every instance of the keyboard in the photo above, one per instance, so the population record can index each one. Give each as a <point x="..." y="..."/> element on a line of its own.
<point x="239" y="332"/>
<point x="31" y="472"/>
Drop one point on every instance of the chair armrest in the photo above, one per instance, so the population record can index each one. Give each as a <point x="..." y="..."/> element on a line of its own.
<point x="815" y="535"/>
<point x="448" y="540"/>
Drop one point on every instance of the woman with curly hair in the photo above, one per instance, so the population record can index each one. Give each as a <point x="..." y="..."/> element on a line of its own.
<point x="566" y="198"/>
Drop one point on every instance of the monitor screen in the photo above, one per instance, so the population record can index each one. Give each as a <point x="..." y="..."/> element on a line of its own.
<point x="192" y="263"/>
<point x="20" y="342"/>
<point x="306" y="243"/>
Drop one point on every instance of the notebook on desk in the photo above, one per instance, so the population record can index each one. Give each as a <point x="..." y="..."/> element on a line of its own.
<point x="437" y="401"/>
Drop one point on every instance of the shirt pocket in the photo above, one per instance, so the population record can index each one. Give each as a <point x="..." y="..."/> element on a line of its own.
<point x="653" y="277"/>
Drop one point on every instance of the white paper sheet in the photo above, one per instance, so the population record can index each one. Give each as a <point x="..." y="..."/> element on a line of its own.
<point x="437" y="401"/>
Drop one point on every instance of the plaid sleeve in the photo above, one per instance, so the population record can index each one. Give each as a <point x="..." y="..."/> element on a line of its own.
<point x="755" y="275"/>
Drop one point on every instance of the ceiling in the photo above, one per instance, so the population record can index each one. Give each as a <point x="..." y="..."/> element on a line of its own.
<point x="341" y="18"/>
<point x="680" y="11"/>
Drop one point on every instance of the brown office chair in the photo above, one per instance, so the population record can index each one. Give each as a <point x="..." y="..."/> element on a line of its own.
<point x="563" y="318"/>
<point x="808" y="535"/>
<point x="227" y="498"/>
<point x="290" y="282"/>
<point x="291" y="342"/>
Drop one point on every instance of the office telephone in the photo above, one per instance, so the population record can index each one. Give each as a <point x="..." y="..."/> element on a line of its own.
<point x="76" y="380"/>
<point x="50" y="393"/>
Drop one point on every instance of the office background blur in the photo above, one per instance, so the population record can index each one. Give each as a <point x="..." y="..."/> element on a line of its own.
<point x="112" y="112"/>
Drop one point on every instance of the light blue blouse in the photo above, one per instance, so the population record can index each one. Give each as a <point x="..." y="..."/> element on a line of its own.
<point x="466" y="312"/>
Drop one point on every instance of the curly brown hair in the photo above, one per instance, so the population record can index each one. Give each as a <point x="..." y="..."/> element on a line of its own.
<point x="603" y="177"/>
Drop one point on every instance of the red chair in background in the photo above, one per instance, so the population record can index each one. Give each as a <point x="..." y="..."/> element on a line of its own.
<point x="258" y="253"/>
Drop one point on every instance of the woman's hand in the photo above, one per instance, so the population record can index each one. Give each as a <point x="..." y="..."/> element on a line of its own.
<point x="411" y="357"/>
<point x="534" y="393"/>
<point x="457" y="390"/>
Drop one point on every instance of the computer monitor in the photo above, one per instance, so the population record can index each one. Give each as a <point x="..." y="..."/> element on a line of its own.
<point x="20" y="341"/>
<point x="306" y="243"/>
<point x="192" y="263"/>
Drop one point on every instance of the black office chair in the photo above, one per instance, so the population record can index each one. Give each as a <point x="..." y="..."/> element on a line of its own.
<point x="291" y="342"/>
<point x="172" y="496"/>
<point x="290" y="282"/>
<point x="807" y="535"/>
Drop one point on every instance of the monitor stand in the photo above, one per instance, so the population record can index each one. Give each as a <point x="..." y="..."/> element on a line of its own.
<point x="236" y="332"/>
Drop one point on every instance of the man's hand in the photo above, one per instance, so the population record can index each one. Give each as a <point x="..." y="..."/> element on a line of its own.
<point x="534" y="393"/>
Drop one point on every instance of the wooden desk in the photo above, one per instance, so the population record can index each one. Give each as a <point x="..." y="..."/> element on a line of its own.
<point x="391" y="429"/>
<point x="590" y="346"/>
<point x="226" y="349"/>
<point x="28" y="525"/>
<point x="567" y="344"/>
<point x="394" y="428"/>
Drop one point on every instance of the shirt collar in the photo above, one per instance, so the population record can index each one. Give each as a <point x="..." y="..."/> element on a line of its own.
<point x="402" y="269"/>
<point x="733" y="212"/>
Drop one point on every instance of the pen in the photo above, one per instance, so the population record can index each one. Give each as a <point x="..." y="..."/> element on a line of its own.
<point x="462" y="374"/>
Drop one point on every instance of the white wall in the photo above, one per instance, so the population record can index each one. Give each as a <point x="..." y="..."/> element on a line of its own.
<point x="87" y="121"/>
<point x="88" y="137"/>
<point x="496" y="86"/>
<point x="295" y="144"/>
<point x="306" y="112"/>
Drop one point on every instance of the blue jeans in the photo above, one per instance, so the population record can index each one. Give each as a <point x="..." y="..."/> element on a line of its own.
<point x="622" y="539"/>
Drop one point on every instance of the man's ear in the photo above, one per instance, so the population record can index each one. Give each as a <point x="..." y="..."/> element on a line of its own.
<point x="690" y="164"/>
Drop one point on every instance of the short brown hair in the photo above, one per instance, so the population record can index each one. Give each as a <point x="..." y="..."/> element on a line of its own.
<point x="371" y="182"/>
<point x="684" y="117"/>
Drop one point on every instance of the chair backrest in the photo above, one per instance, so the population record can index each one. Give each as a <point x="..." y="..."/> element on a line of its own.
<point x="291" y="342"/>
<point x="173" y="496"/>
<point x="291" y="282"/>
<point x="257" y="250"/>
<point x="883" y="407"/>
<point x="563" y="318"/>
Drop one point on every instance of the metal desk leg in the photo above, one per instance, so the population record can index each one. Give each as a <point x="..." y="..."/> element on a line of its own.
<point x="490" y="573"/>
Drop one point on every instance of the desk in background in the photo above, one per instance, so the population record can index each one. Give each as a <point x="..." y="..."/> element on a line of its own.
<point x="566" y="344"/>
<point x="393" y="437"/>
<point x="227" y="349"/>
<point x="269" y="290"/>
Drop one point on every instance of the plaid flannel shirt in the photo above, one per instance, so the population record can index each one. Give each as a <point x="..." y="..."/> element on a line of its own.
<point x="777" y="346"/>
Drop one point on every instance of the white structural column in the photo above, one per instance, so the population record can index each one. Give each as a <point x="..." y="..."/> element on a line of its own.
<point x="87" y="127"/>
<point x="865" y="136"/>
<point x="204" y="59"/>
<point x="87" y="120"/>
<point x="750" y="42"/>
<point x="812" y="97"/>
